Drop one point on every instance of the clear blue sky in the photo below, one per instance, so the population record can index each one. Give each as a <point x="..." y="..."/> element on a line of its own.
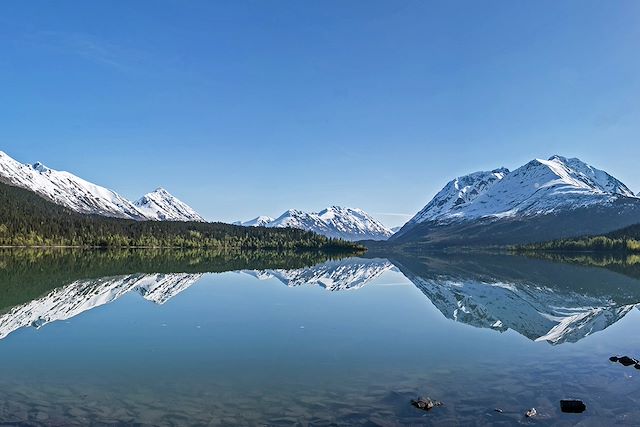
<point x="245" y="108"/>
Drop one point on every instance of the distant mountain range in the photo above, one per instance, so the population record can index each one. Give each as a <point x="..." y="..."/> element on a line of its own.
<point x="335" y="221"/>
<point x="70" y="191"/>
<point x="79" y="195"/>
<point x="542" y="200"/>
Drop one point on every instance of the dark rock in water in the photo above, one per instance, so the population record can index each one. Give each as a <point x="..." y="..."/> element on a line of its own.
<point x="614" y="358"/>
<point x="531" y="413"/>
<point x="572" y="406"/>
<point x="425" y="403"/>
<point x="498" y="410"/>
<point x="637" y="366"/>
<point x="627" y="361"/>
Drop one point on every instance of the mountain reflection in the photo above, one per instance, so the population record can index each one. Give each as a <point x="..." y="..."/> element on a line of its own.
<point x="541" y="299"/>
<point x="351" y="273"/>
<point x="82" y="295"/>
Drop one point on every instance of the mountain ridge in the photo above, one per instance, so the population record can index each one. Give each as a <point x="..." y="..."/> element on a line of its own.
<point x="543" y="194"/>
<point x="334" y="221"/>
<point x="70" y="191"/>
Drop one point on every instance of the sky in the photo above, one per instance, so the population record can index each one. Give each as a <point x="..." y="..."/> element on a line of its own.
<point x="247" y="108"/>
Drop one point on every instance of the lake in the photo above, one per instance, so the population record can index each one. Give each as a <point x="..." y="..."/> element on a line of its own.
<point x="196" y="338"/>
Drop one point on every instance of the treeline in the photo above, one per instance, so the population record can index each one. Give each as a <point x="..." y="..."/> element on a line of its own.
<point x="626" y="240"/>
<point x="26" y="219"/>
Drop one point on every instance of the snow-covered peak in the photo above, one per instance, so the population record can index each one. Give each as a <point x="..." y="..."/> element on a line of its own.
<point x="334" y="221"/>
<point x="160" y="205"/>
<point x="459" y="192"/>
<point x="599" y="178"/>
<point x="260" y="221"/>
<point x="354" y="222"/>
<point x="66" y="189"/>
<point x="537" y="188"/>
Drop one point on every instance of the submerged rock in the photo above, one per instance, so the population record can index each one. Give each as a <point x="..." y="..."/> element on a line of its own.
<point x="425" y="403"/>
<point x="627" y="361"/>
<point x="573" y="406"/>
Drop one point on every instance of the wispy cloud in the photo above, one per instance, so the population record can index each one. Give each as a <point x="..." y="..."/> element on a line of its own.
<point x="88" y="47"/>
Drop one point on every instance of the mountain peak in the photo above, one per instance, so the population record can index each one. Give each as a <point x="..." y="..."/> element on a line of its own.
<point x="160" y="205"/>
<point x="66" y="189"/>
<point x="334" y="221"/>
<point x="259" y="221"/>
<point x="536" y="188"/>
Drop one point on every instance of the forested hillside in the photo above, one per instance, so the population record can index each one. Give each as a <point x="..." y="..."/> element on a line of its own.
<point x="623" y="240"/>
<point x="26" y="219"/>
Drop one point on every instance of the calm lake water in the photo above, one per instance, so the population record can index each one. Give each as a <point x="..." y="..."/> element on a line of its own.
<point x="193" y="338"/>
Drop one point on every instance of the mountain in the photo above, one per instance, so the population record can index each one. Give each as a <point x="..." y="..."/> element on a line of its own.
<point x="337" y="222"/>
<point x="26" y="219"/>
<point x="542" y="200"/>
<point x="260" y="221"/>
<point x="70" y="191"/>
<point x="160" y="205"/>
<point x="66" y="189"/>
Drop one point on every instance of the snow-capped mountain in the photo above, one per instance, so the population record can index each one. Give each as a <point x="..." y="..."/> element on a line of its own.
<point x="458" y="192"/>
<point x="350" y="273"/>
<point x="77" y="194"/>
<point x="160" y="205"/>
<point x="539" y="188"/>
<point x="82" y="295"/>
<point x="66" y="189"/>
<point x="260" y="221"/>
<point x="335" y="221"/>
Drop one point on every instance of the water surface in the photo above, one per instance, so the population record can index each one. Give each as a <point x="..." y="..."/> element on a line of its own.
<point x="196" y="338"/>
